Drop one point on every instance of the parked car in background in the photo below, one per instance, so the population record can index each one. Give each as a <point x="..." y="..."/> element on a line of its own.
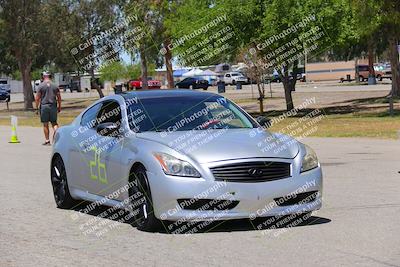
<point x="386" y="70"/>
<point x="5" y="90"/>
<point x="301" y="74"/>
<point x="137" y="84"/>
<point x="75" y="86"/>
<point x="234" y="77"/>
<point x="387" y="74"/>
<point x="193" y="83"/>
<point x="363" y="73"/>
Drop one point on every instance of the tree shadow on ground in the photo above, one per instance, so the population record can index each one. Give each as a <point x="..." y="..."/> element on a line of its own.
<point x="370" y="106"/>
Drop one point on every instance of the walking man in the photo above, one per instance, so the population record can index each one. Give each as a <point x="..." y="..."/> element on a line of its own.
<point x="48" y="103"/>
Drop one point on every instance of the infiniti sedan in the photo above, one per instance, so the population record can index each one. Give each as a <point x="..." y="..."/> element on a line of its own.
<point x="180" y="155"/>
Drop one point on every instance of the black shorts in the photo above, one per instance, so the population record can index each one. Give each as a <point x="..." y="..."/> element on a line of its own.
<point x="48" y="113"/>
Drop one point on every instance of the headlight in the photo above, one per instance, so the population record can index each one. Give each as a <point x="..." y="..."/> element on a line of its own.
<point x="176" y="167"/>
<point x="310" y="160"/>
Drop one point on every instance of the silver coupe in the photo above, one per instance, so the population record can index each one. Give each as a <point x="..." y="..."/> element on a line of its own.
<point x="182" y="156"/>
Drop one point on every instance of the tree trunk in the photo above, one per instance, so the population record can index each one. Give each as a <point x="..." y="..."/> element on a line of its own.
<point x="25" y="69"/>
<point x="93" y="83"/>
<point x="168" y="63"/>
<point x="394" y="62"/>
<point x="371" y="61"/>
<point x="261" y="97"/>
<point x="289" y="86"/>
<point x="143" y="62"/>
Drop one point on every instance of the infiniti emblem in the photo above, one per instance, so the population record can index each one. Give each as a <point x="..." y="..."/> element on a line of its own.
<point x="254" y="172"/>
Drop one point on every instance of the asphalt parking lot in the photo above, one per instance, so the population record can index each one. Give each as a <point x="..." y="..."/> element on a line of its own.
<point x="357" y="226"/>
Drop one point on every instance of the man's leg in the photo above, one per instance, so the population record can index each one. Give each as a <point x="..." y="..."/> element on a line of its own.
<point x="45" y="118"/>
<point x="55" y="127"/>
<point x="46" y="131"/>
<point x="53" y="119"/>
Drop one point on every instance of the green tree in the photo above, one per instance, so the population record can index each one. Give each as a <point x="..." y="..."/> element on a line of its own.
<point x="31" y="40"/>
<point x="93" y="19"/>
<point x="20" y="32"/>
<point x="113" y="71"/>
<point x="146" y="48"/>
<point x="390" y="13"/>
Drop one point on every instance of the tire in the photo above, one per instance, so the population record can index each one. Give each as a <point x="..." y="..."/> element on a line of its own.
<point x="233" y="82"/>
<point x="379" y="77"/>
<point x="59" y="183"/>
<point x="205" y="88"/>
<point x="191" y="87"/>
<point x="360" y="78"/>
<point x="143" y="215"/>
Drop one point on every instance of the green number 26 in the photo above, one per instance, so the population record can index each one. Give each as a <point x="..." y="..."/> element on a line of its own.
<point x="98" y="169"/>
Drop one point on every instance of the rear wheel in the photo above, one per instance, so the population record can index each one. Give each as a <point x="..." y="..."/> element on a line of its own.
<point x="141" y="203"/>
<point x="59" y="182"/>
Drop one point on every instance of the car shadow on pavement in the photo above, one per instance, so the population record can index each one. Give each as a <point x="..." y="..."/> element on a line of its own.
<point x="259" y="224"/>
<point x="268" y="224"/>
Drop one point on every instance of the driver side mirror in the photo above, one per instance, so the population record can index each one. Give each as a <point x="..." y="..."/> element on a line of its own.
<point x="108" y="129"/>
<point x="263" y="121"/>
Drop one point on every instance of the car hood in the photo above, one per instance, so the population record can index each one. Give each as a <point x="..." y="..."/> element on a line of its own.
<point x="226" y="144"/>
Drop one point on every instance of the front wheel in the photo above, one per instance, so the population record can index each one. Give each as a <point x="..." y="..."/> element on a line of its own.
<point x="59" y="182"/>
<point x="141" y="204"/>
<point x="191" y="87"/>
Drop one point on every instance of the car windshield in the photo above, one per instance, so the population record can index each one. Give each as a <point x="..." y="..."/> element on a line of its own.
<point x="186" y="113"/>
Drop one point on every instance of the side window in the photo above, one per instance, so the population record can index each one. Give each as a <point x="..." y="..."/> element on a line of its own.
<point x="110" y="112"/>
<point x="89" y="117"/>
<point x="227" y="75"/>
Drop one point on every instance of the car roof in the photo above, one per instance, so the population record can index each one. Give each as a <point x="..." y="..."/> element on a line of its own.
<point x="163" y="93"/>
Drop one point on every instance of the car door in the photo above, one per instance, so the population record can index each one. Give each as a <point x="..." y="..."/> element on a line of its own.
<point x="80" y="141"/>
<point x="103" y="156"/>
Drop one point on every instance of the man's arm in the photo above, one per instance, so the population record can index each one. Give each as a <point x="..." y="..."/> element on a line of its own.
<point x="58" y="101"/>
<point x="38" y="98"/>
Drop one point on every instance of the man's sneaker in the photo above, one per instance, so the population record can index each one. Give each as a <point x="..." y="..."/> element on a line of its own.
<point x="46" y="143"/>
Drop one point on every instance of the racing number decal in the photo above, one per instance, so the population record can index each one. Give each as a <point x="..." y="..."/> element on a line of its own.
<point x="97" y="169"/>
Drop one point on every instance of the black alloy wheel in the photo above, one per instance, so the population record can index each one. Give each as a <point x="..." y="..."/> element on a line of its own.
<point x="59" y="182"/>
<point x="141" y="203"/>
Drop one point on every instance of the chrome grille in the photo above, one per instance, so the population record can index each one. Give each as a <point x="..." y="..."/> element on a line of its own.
<point x="259" y="171"/>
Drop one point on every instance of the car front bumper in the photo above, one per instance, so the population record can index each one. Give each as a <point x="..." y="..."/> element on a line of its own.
<point x="255" y="199"/>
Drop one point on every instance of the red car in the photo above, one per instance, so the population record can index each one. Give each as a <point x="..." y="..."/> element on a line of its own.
<point x="137" y="84"/>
